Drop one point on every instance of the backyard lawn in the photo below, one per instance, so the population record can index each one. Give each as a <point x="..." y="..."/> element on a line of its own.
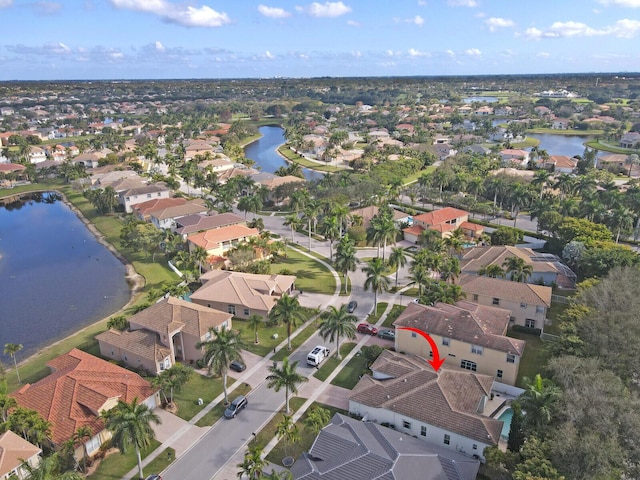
<point x="311" y="275"/>
<point x="534" y="358"/>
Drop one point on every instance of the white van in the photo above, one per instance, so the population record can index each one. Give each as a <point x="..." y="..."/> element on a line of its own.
<point x="317" y="355"/>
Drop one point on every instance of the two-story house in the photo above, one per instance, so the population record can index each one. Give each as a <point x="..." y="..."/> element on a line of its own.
<point x="469" y="336"/>
<point x="143" y="193"/>
<point x="166" y="217"/>
<point x="444" y="221"/>
<point x="527" y="303"/>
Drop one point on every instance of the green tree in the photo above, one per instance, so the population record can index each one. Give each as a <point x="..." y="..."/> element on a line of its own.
<point x="172" y="380"/>
<point x="81" y="435"/>
<point x="224" y="347"/>
<point x="287" y="431"/>
<point x="288" y="311"/>
<point x="119" y="322"/>
<point x="49" y="468"/>
<point x="336" y="323"/>
<point x="517" y="269"/>
<point x="255" y="321"/>
<point x="346" y="260"/>
<point x="377" y="279"/>
<point x="294" y="222"/>
<point x="317" y="418"/>
<point x="286" y="377"/>
<point x="538" y="401"/>
<point x="397" y="260"/>
<point x="130" y="425"/>
<point x="11" y="349"/>
<point x="253" y="465"/>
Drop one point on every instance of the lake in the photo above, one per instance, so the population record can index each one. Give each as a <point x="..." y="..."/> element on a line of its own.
<point x="481" y="99"/>
<point x="264" y="152"/>
<point x="569" y="145"/>
<point x="55" y="277"/>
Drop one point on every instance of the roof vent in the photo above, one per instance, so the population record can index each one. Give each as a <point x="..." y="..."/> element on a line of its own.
<point x="404" y="380"/>
<point x="388" y="397"/>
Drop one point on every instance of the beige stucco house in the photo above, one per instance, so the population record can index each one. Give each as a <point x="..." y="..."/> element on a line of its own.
<point x="527" y="303"/>
<point x="448" y="409"/>
<point x="163" y="334"/>
<point x="443" y="221"/>
<point x="218" y="241"/>
<point x="469" y="337"/>
<point x="15" y="452"/>
<point x="242" y="294"/>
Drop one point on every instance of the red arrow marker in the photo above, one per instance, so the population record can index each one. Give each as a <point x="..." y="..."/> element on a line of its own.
<point x="437" y="362"/>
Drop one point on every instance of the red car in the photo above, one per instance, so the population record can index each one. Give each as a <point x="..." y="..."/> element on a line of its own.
<point x="368" y="329"/>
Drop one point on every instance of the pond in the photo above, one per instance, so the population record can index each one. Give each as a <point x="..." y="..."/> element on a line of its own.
<point x="55" y="277"/>
<point x="481" y="99"/>
<point x="568" y="145"/>
<point x="264" y="152"/>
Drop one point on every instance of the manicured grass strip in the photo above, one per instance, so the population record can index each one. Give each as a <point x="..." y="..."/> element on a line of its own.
<point x="116" y="465"/>
<point x="598" y="145"/>
<point x="533" y="359"/>
<point x="396" y="310"/>
<point x="216" y="412"/>
<point x="373" y="318"/>
<point x="158" y="464"/>
<point x="526" y="143"/>
<point x="198" y="386"/>
<point x="297" y="341"/>
<point x="265" y="435"/>
<point x="300" y="160"/>
<point x="332" y="362"/>
<point x="311" y="276"/>
<point x="352" y="371"/>
<point x="265" y="336"/>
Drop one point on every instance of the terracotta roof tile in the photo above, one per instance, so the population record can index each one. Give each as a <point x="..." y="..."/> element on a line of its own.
<point x="440" y="216"/>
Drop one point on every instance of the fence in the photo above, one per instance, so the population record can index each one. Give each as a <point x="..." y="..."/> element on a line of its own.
<point x="560" y="299"/>
<point x="549" y="337"/>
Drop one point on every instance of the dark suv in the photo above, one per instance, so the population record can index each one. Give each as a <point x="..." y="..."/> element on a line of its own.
<point x="238" y="404"/>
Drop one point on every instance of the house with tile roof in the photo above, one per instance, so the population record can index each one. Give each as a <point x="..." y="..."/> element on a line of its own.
<point x="242" y="294"/>
<point x="515" y="156"/>
<point x="79" y="388"/>
<point x="15" y="452"/>
<point x="357" y="450"/>
<point x="367" y="213"/>
<point x="448" y="408"/>
<point x="527" y="303"/>
<point x="142" y="193"/>
<point x="163" y="334"/>
<point x="143" y="210"/>
<point x="558" y="163"/>
<point x="548" y="269"/>
<point x="443" y="221"/>
<point x="220" y="240"/>
<point x="469" y="336"/>
<point x="166" y="217"/>
<point x="199" y="222"/>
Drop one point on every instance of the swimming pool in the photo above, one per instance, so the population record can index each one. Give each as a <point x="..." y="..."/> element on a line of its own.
<point x="506" y="416"/>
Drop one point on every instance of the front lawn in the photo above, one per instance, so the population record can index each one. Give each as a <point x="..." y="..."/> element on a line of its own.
<point x="265" y="435"/>
<point x="373" y="318"/>
<point x="198" y="386"/>
<point x="265" y="336"/>
<point x="332" y="362"/>
<point x="311" y="276"/>
<point x="158" y="464"/>
<point x="116" y="465"/>
<point x="395" y="312"/>
<point x="351" y="372"/>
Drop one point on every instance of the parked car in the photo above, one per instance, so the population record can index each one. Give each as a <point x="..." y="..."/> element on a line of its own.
<point x="317" y="355"/>
<point x="234" y="407"/>
<point x="155" y="476"/>
<point x="368" y="329"/>
<point x="237" y="366"/>
<point x="387" y="334"/>
<point x="352" y="305"/>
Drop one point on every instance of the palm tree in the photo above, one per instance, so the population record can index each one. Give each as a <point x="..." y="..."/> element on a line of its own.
<point x="289" y="311"/>
<point x="311" y="211"/>
<point x="288" y="431"/>
<point x="292" y="221"/>
<point x="253" y="465"/>
<point x="317" y="418"/>
<point x="397" y="260"/>
<point x="49" y="468"/>
<point x="285" y="377"/>
<point x="7" y="403"/>
<point x="224" y="347"/>
<point x="420" y="275"/>
<point x="492" y="270"/>
<point x="336" y="323"/>
<point x="376" y="279"/>
<point x="81" y="435"/>
<point x="537" y="401"/>
<point x="331" y="228"/>
<point x="621" y="220"/>
<point x="130" y="424"/>
<point x="517" y="269"/>
<point x="172" y="380"/>
<point x="12" y="349"/>
<point x="199" y="255"/>
<point x="255" y="321"/>
<point x="346" y="260"/>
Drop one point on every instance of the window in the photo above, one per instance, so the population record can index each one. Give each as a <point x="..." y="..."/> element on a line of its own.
<point x="495" y="301"/>
<point x="530" y="323"/>
<point x="512" y="319"/>
<point x="477" y="349"/>
<point x="523" y="305"/>
<point x="209" y="305"/>
<point x="148" y="195"/>
<point x="475" y="297"/>
<point x="231" y="309"/>
<point x="499" y="374"/>
<point x="423" y="431"/>
<point x="447" y="439"/>
<point x="446" y="341"/>
<point x="468" y="365"/>
<point x="511" y="358"/>
<point x="207" y="336"/>
<point x="406" y="424"/>
<point x="413" y="335"/>
<point x="93" y="444"/>
<point x="247" y="312"/>
<point x="539" y="309"/>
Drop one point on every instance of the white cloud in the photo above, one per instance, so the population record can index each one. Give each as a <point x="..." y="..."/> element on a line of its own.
<point x="422" y="3"/>
<point x="494" y="23"/>
<point x="160" y="46"/>
<point x="451" y="53"/>
<point x="273" y="12"/>
<point x="473" y="52"/>
<point x="186" y="15"/>
<point x="621" y="3"/>
<point x="45" y="8"/>
<point x="417" y="53"/>
<point x="462" y="3"/>
<point x="508" y="53"/>
<point x="325" y="10"/>
<point x="418" y="20"/>
<point x="5" y="3"/>
<point x="353" y="23"/>
<point x="269" y="55"/>
<point x="543" y="55"/>
<point x="116" y="55"/>
<point x="622" y="28"/>
<point x="356" y="54"/>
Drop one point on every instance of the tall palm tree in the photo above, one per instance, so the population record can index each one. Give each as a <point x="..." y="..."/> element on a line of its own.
<point x="420" y="275"/>
<point x="255" y="321"/>
<point x="397" y="260"/>
<point x="130" y="424"/>
<point x="292" y="221"/>
<point x="199" y="255"/>
<point x="253" y="465"/>
<point x="286" y="377"/>
<point x="311" y="212"/>
<point x="492" y="270"/>
<point x="317" y="418"/>
<point x="331" y="229"/>
<point x="81" y="435"/>
<point x="12" y="349"/>
<point x="224" y="347"/>
<point x="336" y="323"/>
<point x="287" y="310"/>
<point x="517" y="269"/>
<point x="346" y="260"/>
<point x="377" y="279"/>
<point x="49" y="468"/>
<point x="538" y="401"/>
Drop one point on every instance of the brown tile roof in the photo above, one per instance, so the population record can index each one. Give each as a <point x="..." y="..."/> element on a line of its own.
<point x="211" y="239"/>
<point x="472" y="226"/>
<point x="440" y="216"/>
<point x="465" y="322"/>
<point x="13" y="451"/>
<point x="173" y="314"/>
<point x="73" y="394"/>
<point x="11" y="167"/>
<point x="143" y="343"/>
<point x="198" y="222"/>
<point x="448" y="399"/>
<point x="188" y="208"/>
<point x="506" y="289"/>
<point x="145" y="208"/>
<point x="473" y="259"/>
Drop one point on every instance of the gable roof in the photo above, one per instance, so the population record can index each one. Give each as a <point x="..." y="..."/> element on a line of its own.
<point x="211" y="239"/>
<point x="473" y="259"/>
<point x="355" y="450"/>
<point x="254" y="291"/>
<point x="506" y="289"/>
<point x="448" y="399"/>
<point x="143" y="343"/>
<point x="440" y="216"/>
<point x="145" y="208"/>
<point x="14" y="450"/>
<point x="466" y="322"/>
<point x="188" y="208"/>
<point x="73" y="395"/>
<point x="199" y="222"/>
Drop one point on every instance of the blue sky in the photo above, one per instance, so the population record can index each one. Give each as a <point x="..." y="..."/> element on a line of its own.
<point x="138" y="39"/>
